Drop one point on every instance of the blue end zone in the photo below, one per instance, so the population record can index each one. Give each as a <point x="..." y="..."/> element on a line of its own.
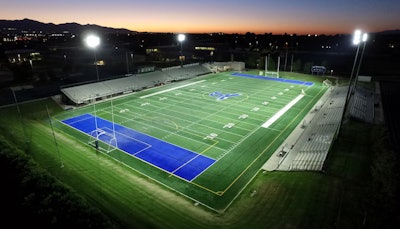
<point x="275" y="79"/>
<point x="171" y="158"/>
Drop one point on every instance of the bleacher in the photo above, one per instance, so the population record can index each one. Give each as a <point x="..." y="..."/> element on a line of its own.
<point x="314" y="143"/>
<point x="362" y="105"/>
<point x="87" y="93"/>
<point x="187" y="72"/>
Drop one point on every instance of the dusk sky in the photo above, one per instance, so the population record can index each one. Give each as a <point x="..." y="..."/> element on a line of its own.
<point x="257" y="16"/>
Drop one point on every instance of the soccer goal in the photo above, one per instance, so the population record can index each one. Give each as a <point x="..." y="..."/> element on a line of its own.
<point x="103" y="140"/>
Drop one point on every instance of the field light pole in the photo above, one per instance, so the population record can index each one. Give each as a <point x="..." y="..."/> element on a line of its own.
<point x="364" y="40"/>
<point x="181" y="38"/>
<point x="92" y="41"/>
<point x="356" y="41"/>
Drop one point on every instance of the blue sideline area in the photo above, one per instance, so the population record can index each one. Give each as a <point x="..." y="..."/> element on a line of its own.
<point x="272" y="78"/>
<point x="168" y="157"/>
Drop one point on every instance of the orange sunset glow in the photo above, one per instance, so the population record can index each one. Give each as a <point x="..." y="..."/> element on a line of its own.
<point x="208" y="16"/>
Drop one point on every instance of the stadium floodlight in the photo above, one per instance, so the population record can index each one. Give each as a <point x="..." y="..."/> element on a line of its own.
<point x="181" y="38"/>
<point x="357" y="37"/>
<point x="92" y="41"/>
<point x="365" y="37"/>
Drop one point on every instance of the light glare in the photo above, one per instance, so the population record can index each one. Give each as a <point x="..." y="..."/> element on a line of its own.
<point x="357" y="37"/>
<point x="365" y="37"/>
<point x="92" y="41"/>
<point x="181" y="37"/>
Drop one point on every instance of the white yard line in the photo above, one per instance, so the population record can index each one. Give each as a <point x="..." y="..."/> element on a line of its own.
<point x="171" y="89"/>
<point x="282" y="111"/>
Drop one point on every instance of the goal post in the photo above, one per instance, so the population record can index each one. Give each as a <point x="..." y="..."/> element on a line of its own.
<point x="103" y="140"/>
<point x="271" y="73"/>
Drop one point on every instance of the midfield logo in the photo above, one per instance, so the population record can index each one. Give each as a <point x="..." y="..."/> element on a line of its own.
<point x="221" y="96"/>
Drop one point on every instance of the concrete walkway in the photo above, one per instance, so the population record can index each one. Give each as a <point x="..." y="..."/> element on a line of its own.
<point x="295" y="141"/>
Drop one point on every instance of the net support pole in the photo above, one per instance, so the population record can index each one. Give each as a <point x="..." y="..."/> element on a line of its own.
<point x="113" y="123"/>
<point x="291" y="65"/>
<point x="20" y="116"/>
<point x="277" y="69"/>
<point x="54" y="137"/>
<point x="95" y="115"/>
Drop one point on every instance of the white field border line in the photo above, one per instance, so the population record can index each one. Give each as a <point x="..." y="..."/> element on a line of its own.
<point x="282" y="111"/>
<point x="171" y="89"/>
<point x="129" y="137"/>
<point x="79" y="120"/>
<point x="215" y="160"/>
<point x="187" y="162"/>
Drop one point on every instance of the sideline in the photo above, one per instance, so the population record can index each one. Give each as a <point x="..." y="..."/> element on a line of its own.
<point x="282" y="111"/>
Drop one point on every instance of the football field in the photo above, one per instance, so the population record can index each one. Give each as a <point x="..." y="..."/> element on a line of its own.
<point x="205" y="138"/>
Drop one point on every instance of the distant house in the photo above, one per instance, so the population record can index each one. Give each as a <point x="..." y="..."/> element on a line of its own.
<point x="318" y="70"/>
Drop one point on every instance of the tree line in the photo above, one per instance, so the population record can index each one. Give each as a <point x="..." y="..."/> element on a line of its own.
<point x="31" y="196"/>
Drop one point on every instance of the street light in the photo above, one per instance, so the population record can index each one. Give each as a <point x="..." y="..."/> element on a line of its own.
<point x="92" y="41"/>
<point x="181" y="38"/>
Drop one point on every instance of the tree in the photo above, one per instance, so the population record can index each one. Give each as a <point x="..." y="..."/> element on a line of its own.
<point x="326" y="64"/>
<point x="307" y="67"/>
<point x="30" y="192"/>
<point x="297" y="65"/>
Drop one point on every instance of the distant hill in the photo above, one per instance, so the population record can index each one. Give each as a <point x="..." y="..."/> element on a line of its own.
<point x="390" y="32"/>
<point x="75" y="28"/>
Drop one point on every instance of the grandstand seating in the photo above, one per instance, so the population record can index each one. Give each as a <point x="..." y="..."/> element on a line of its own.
<point x="314" y="143"/>
<point x="362" y="105"/>
<point x="86" y="93"/>
<point x="187" y="72"/>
